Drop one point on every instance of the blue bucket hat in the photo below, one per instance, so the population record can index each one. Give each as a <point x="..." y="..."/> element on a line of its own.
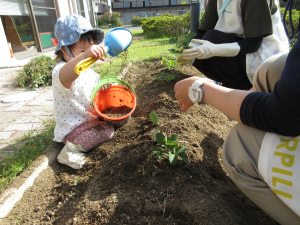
<point x="68" y="30"/>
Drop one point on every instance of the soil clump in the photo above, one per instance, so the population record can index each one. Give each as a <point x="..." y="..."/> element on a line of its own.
<point x="124" y="183"/>
<point x="116" y="112"/>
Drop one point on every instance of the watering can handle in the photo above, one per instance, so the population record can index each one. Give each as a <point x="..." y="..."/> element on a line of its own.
<point x="84" y="65"/>
<point x="108" y="80"/>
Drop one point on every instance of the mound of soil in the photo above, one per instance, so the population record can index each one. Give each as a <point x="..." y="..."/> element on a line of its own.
<point x="124" y="183"/>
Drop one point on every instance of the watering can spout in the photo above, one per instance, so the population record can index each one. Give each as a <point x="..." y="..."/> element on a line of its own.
<point x="116" y="41"/>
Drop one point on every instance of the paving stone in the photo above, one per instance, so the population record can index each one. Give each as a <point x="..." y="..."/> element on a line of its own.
<point x="42" y="99"/>
<point x="39" y="119"/>
<point x="30" y="108"/>
<point x="15" y="107"/>
<point x="36" y="113"/>
<point x="19" y="97"/>
<point x="6" y="104"/>
<point x="5" y="135"/>
<point x="28" y="126"/>
<point x="24" y="119"/>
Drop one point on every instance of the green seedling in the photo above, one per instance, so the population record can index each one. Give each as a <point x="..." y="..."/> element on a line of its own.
<point x="149" y="158"/>
<point x="169" y="63"/>
<point x="76" y="181"/>
<point x="168" y="144"/>
<point x="144" y="172"/>
<point x="166" y="77"/>
<point x="181" y="43"/>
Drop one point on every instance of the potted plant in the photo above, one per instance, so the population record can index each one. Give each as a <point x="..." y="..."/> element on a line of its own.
<point x="181" y="42"/>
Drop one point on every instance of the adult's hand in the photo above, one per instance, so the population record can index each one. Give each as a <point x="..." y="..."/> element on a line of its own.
<point x="206" y="50"/>
<point x="182" y="93"/>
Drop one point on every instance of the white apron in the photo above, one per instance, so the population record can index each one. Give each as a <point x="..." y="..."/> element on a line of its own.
<point x="279" y="165"/>
<point x="271" y="45"/>
<point x="230" y="21"/>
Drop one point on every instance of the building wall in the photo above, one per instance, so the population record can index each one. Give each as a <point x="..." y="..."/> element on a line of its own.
<point x="64" y="7"/>
<point x="5" y="53"/>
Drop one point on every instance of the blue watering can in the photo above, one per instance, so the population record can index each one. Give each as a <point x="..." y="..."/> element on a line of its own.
<point x="116" y="41"/>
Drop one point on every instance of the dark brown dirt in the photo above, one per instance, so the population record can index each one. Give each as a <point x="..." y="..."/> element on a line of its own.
<point x="124" y="183"/>
<point x="116" y="112"/>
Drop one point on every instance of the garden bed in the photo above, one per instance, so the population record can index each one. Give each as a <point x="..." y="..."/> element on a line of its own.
<point x="124" y="183"/>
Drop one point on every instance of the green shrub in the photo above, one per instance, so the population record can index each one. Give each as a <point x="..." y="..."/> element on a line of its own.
<point x="101" y="22"/>
<point x="136" y="21"/>
<point x="164" y="26"/>
<point x="110" y="19"/>
<point x="36" y="73"/>
<point x="167" y="25"/>
<point x="115" y="20"/>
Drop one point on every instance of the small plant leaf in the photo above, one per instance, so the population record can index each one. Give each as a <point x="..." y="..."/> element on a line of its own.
<point x="184" y="157"/>
<point x="165" y="152"/>
<point x="156" y="132"/>
<point x="191" y="34"/>
<point x="172" y="145"/>
<point x="154" y="117"/>
<point x="173" y="158"/>
<point x="156" y="149"/>
<point x="161" y="139"/>
<point x="172" y="137"/>
<point x="158" y="155"/>
<point x="179" y="149"/>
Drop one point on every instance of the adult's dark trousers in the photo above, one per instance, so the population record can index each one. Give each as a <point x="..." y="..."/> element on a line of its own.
<point x="231" y="71"/>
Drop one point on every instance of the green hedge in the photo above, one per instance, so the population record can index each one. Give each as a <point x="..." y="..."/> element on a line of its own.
<point x="136" y="21"/>
<point x="110" y="19"/>
<point x="167" y="25"/>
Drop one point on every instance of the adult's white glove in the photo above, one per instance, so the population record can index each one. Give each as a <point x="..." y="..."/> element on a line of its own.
<point x="206" y="49"/>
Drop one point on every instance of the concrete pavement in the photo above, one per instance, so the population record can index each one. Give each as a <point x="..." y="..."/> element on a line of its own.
<point x="21" y="109"/>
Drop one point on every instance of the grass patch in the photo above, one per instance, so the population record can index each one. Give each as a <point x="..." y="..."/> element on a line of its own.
<point x="29" y="147"/>
<point x="141" y="49"/>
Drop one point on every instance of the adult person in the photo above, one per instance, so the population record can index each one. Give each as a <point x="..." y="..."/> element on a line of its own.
<point x="234" y="37"/>
<point x="261" y="154"/>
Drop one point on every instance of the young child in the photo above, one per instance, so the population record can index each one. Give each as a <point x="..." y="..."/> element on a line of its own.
<point x="77" y="123"/>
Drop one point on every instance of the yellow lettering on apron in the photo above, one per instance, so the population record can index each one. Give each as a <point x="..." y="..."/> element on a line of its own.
<point x="281" y="171"/>
<point x="287" y="144"/>
<point x="284" y="194"/>
<point x="285" y="156"/>
<point x="280" y="180"/>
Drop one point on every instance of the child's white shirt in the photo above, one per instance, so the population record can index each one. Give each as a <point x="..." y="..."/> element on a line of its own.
<point x="72" y="106"/>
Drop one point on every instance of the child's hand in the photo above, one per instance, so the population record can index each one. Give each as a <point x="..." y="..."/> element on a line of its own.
<point x="96" y="51"/>
<point x="105" y="87"/>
